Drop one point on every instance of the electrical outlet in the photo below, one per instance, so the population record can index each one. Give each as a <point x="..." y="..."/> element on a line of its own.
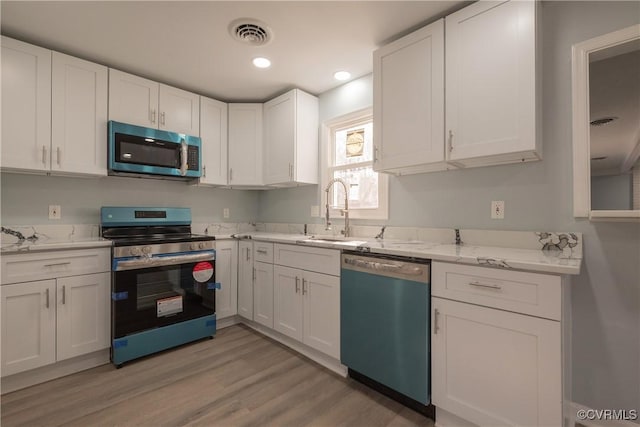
<point x="315" y="211"/>
<point x="497" y="209"/>
<point x="225" y="212"/>
<point x="55" y="212"/>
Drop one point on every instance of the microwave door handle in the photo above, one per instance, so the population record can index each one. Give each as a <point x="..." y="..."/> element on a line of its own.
<point x="183" y="158"/>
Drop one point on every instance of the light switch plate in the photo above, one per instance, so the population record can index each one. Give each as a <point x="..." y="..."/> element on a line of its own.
<point x="497" y="209"/>
<point x="225" y="212"/>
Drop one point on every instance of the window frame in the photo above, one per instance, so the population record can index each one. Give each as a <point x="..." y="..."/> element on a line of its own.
<point x="329" y="128"/>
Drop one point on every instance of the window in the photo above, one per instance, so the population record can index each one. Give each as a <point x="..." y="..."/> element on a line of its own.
<point x="349" y="142"/>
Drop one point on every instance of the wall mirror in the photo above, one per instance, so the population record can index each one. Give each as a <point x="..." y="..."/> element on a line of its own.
<point x="606" y="126"/>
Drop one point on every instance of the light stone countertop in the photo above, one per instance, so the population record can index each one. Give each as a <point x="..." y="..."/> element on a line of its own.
<point x="535" y="260"/>
<point x="8" y="247"/>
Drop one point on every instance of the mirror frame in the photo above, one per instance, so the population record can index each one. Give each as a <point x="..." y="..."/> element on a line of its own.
<point x="581" y="120"/>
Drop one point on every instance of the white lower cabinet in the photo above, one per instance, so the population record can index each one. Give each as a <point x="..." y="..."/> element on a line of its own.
<point x="287" y="301"/>
<point x="52" y="320"/>
<point x="492" y="366"/>
<point x="263" y="293"/>
<point x="245" y="279"/>
<point x="306" y="304"/>
<point x="227" y="276"/>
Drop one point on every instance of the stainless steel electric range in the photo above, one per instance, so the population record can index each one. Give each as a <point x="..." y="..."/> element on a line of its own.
<point x="162" y="281"/>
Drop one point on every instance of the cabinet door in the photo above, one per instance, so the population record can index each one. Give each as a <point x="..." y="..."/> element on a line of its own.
<point x="245" y="144"/>
<point x="227" y="276"/>
<point x="79" y="116"/>
<point x="263" y="294"/>
<point x="245" y="279"/>
<point x="408" y="103"/>
<point x="132" y="99"/>
<point x="213" y="132"/>
<point x="28" y="325"/>
<point x="179" y="110"/>
<point x="83" y="314"/>
<point x="321" y="308"/>
<point x="287" y="301"/>
<point x="279" y="138"/>
<point x="490" y="101"/>
<point x="494" y="367"/>
<point x="26" y="106"/>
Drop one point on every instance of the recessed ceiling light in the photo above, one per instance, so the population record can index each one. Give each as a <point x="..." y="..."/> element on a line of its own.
<point x="261" y="62"/>
<point x="342" y="75"/>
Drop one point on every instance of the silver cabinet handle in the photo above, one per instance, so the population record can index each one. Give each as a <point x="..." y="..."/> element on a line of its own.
<point x="162" y="116"/>
<point x="64" y="294"/>
<point x="59" y="155"/>
<point x="436" y="327"/>
<point x="450" y="140"/>
<point x="58" y="263"/>
<point x="204" y="171"/>
<point x="297" y="284"/>
<point x="247" y="254"/>
<point x="230" y="174"/>
<point x="261" y="251"/>
<point x="44" y="155"/>
<point x="254" y="274"/>
<point x="47" y="304"/>
<point x="304" y="286"/>
<point x="375" y="154"/>
<point x="484" y="285"/>
<point x="290" y="171"/>
<point x="153" y="115"/>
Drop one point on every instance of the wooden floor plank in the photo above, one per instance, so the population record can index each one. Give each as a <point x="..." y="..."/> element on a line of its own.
<point x="240" y="378"/>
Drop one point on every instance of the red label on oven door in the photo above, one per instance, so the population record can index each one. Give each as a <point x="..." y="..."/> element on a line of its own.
<point x="203" y="271"/>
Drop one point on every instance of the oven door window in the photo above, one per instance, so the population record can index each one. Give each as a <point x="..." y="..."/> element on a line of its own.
<point x="159" y="296"/>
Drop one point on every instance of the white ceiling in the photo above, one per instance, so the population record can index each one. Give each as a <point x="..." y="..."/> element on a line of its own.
<point x="187" y="44"/>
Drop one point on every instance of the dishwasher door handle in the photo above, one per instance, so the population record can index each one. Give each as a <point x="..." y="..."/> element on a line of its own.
<point x="401" y="268"/>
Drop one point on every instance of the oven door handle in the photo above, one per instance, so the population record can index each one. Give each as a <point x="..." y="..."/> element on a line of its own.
<point x="159" y="261"/>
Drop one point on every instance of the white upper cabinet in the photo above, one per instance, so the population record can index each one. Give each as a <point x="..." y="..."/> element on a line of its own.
<point x="491" y="84"/>
<point x="133" y="99"/>
<point x="213" y="132"/>
<point x="79" y="116"/>
<point x="291" y="139"/>
<point x="408" y="102"/>
<point x="245" y="145"/>
<point x="139" y="101"/>
<point x="26" y="106"/>
<point x="179" y="110"/>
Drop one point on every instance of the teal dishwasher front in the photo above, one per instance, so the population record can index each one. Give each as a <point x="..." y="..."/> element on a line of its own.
<point x="384" y="318"/>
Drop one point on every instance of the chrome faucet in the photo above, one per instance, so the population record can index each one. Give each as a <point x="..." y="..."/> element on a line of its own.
<point x="344" y="212"/>
<point x="458" y="240"/>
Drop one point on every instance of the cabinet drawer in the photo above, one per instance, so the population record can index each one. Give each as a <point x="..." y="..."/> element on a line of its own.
<point x="320" y="260"/>
<point x="528" y="293"/>
<point x="27" y="267"/>
<point x="263" y="252"/>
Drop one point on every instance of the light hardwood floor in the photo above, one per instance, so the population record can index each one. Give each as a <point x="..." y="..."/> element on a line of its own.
<point x="240" y="378"/>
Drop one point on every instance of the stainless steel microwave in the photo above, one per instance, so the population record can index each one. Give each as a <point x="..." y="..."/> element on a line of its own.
<point x="136" y="150"/>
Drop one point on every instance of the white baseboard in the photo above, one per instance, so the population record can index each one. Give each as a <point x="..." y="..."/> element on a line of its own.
<point x="313" y="354"/>
<point x="227" y="321"/>
<point x="56" y="370"/>
<point x="571" y="414"/>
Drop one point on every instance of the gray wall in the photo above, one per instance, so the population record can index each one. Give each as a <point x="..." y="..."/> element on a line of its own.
<point x="25" y="199"/>
<point x="612" y="192"/>
<point x="538" y="196"/>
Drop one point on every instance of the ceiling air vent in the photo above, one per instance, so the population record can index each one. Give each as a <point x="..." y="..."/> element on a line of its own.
<point x="251" y="32"/>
